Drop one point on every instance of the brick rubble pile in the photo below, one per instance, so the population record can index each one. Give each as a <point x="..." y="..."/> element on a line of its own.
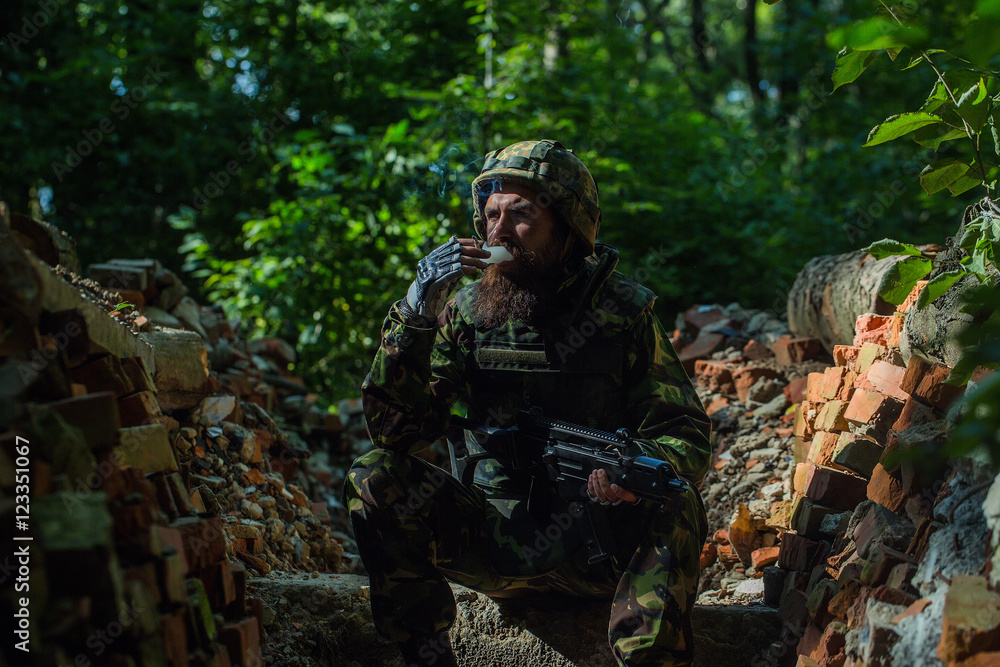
<point x="871" y="557"/>
<point x="168" y="460"/>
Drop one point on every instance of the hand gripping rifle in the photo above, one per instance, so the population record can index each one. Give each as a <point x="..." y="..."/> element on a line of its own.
<point x="561" y="454"/>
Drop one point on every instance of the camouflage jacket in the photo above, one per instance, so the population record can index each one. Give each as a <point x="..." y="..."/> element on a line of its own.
<point x="603" y="360"/>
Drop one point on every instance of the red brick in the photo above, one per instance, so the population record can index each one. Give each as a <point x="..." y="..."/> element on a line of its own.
<point x="103" y="374"/>
<point x="136" y="370"/>
<point x="822" y="447"/>
<point x="714" y="376"/>
<point x="832" y="382"/>
<point x="911" y="299"/>
<point x="845" y="355"/>
<point x="850" y="589"/>
<point x="971" y="619"/>
<point x="988" y="659"/>
<point x="895" y="330"/>
<point x="795" y="391"/>
<point x="915" y="370"/>
<point x="871" y="328"/>
<point x="203" y="541"/>
<point x="173" y="632"/>
<point x="139" y="409"/>
<point x="698" y="317"/>
<point x="801" y="553"/>
<point x="755" y="350"/>
<point x="796" y="350"/>
<point x="831" y="417"/>
<point x="702" y="347"/>
<point x="800" y="477"/>
<point x="808" y="643"/>
<point x="745" y="378"/>
<point x="242" y="640"/>
<point x="709" y="554"/>
<point x="934" y="391"/>
<point x="878" y="411"/>
<point x="886" y="489"/>
<point x="835" y="488"/>
<point x="831" y="651"/>
<point x="857" y="454"/>
<point x="869" y="353"/>
<point x="95" y="414"/>
<point x="881" y="560"/>
<point x="761" y="558"/>
<point x="814" y="387"/>
<point x="819" y="601"/>
<point x="807" y="516"/>
<point x="884" y="378"/>
<point x="718" y="403"/>
<point x="914" y="413"/>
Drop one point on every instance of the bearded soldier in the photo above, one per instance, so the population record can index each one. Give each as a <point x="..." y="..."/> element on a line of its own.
<point x="555" y="329"/>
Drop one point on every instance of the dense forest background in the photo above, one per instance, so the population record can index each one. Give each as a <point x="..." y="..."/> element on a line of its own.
<point x="297" y="158"/>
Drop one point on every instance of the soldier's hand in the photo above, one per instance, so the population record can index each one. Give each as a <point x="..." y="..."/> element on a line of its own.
<point x="601" y="490"/>
<point x="438" y="272"/>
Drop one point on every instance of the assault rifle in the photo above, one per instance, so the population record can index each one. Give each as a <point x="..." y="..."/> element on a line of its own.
<point x="561" y="454"/>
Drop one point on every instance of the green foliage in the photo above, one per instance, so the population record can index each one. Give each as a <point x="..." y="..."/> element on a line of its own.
<point x="962" y="101"/>
<point x="305" y="155"/>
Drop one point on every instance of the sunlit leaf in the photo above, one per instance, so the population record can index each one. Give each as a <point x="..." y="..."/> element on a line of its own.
<point x="937" y="286"/>
<point x="876" y="33"/>
<point x="900" y="125"/>
<point x="940" y="174"/>
<point x="850" y="65"/>
<point x="898" y="281"/>
<point x="889" y="248"/>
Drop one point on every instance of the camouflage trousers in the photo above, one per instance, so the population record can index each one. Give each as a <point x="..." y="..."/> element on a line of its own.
<point x="418" y="527"/>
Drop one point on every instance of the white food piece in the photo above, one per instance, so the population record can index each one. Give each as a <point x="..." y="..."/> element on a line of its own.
<point x="497" y="254"/>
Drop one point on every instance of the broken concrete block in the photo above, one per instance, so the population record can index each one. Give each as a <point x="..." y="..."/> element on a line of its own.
<point x="181" y="362"/>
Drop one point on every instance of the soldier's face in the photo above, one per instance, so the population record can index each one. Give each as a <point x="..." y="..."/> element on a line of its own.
<point x="514" y="220"/>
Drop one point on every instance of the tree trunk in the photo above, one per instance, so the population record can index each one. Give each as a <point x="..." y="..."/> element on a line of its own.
<point x="832" y="291"/>
<point x="750" y="52"/>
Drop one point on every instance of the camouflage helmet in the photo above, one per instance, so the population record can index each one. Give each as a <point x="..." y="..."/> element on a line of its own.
<point x="551" y="169"/>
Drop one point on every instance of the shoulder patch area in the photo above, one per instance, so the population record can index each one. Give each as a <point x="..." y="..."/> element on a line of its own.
<point x="625" y="297"/>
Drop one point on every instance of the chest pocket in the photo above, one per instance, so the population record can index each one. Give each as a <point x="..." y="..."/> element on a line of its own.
<point x="577" y="384"/>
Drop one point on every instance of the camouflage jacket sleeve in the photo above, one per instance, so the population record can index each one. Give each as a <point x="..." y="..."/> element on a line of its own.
<point x="673" y="425"/>
<point x="406" y="401"/>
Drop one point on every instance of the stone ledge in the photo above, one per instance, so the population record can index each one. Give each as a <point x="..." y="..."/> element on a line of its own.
<point x="327" y="619"/>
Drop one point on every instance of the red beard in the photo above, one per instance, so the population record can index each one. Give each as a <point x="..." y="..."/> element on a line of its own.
<point x="519" y="290"/>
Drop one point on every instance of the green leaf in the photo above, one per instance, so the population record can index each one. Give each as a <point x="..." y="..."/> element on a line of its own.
<point x="940" y="174"/>
<point x="964" y="184"/>
<point x="982" y="41"/>
<point x="876" y="33"/>
<point x="988" y="9"/>
<point x="898" y="281"/>
<point x="994" y="122"/>
<point x="937" y="286"/>
<point x="900" y="125"/>
<point x="889" y="248"/>
<point x="976" y="264"/>
<point x="850" y="65"/>
<point x="933" y="136"/>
